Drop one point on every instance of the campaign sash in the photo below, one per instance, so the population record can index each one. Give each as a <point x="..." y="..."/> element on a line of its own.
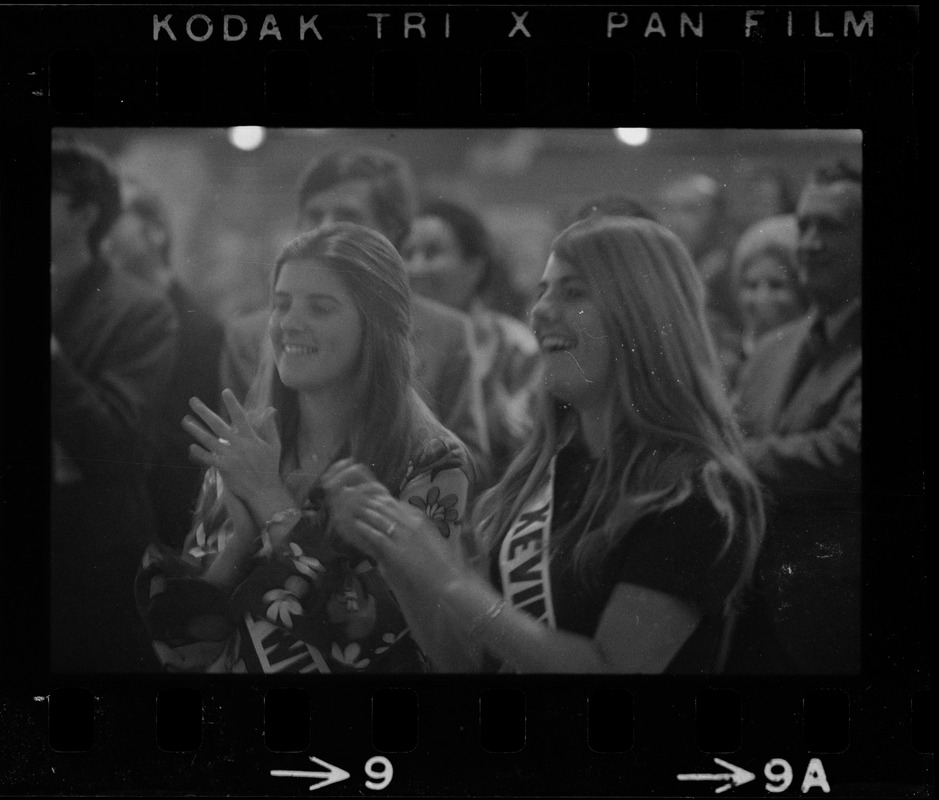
<point x="524" y="556"/>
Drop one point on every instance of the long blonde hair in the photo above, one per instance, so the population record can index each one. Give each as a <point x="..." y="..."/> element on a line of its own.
<point x="668" y="419"/>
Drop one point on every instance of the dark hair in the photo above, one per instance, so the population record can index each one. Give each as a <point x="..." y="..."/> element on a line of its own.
<point x="85" y="174"/>
<point x="495" y="288"/>
<point x="470" y="232"/>
<point x="613" y="204"/>
<point x="393" y="193"/>
<point x="147" y="205"/>
<point x="833" y="173"/>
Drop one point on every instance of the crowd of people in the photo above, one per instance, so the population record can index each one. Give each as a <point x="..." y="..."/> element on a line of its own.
<point x="404" y="464"/>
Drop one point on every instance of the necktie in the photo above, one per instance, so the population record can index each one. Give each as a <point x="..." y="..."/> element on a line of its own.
<point x="808" y="355"/>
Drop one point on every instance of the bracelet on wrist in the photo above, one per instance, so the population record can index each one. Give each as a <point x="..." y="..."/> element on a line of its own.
<point x="484" y="619"/>
<point x="287" y="515"/>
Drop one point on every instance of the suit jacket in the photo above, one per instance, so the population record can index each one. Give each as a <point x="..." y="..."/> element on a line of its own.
<point x="117" y="339"/>
<point x="805" y="446"/>
<point x="174" y="480"/>
<point x="444" y="369"/>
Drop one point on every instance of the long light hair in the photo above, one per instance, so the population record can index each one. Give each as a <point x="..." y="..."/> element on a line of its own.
<point x="669" y="423"/>
<point x="388" y="418"/>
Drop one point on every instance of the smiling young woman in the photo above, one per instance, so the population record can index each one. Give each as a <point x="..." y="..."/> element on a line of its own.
<point x="623" y="536"/>
<point x="262" y="584"/>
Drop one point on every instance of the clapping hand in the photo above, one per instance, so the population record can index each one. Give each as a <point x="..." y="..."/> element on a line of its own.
<point x="399" y="537"/>
<point x="246" y="453"/>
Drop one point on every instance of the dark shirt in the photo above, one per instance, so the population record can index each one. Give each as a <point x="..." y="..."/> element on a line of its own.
<point x="173" y="479"/>
<point x="117" y="340"/>
<point x="679" y="552"/>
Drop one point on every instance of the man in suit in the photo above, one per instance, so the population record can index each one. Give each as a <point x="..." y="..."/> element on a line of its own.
<point x="140" y="244"/>
<point x="112" y="352"/>
<point x="800" y="406"/>
<point x="376" y="189"/>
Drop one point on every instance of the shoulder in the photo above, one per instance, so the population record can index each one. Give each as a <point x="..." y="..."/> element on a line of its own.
<point x="696" y="512"/>
<point x="439" y="450"/>
<point x="771" y="351"/>
<point x="782" y="338"/>
<point x="515" y="334"/>
<point x="692" y="531"/>
<point x="433" y="319"/>
<point x="137" y="300"/>
<point x="192" y="314"/>
<point x="686" y="550"/>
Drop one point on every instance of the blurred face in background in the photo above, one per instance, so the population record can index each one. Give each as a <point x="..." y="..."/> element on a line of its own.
<point x="769" y="295"/>
<point x="829" y="249"/>
<point x="69" y="225"/>
<point x="315" y="328"/>
<point x="436" y="265"/>
<point x="134" y="245"/>
<point x="347" y="201"/>
<point x="691" y="211"/>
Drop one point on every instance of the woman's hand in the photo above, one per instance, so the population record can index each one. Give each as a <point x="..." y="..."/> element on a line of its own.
<point x="346" y="486"/>
<point x="246" y="454"/>
<point x="399" y="537"/>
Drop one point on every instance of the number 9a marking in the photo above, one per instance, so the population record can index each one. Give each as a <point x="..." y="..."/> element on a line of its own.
<point x="380" y="770"/>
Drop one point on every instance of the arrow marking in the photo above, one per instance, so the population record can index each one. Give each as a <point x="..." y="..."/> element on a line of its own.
<point x="333" y="774"/>
<point x="736" y="777"/>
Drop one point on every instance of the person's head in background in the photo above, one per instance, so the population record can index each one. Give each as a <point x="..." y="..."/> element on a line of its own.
<point x="766" y="275"/>
<point x="85" y="202"/>
<point x="452" y="258"/>
<point x="693" y="208"/>
<point x="613" y="204"/>
<point x="763" y="192"/>
<point x="366" y="186"/>
<point x="830" y="236"/>
<point x="140" y="242"/>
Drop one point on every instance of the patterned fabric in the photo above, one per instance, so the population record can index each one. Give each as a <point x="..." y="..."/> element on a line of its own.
<point x="508" y="367"/>
<point x="315" y="607"/>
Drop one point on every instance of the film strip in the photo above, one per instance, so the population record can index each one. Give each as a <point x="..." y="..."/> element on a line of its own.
<point x="469" y="67"/>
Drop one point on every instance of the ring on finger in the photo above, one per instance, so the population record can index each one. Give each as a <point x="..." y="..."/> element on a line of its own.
<point x="391" y="530"/>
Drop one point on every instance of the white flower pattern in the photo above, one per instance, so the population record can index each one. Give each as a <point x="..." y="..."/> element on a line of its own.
<point x="350" y="656"/>
<point x="283" y="604"/>
<point x="306" y="565"/>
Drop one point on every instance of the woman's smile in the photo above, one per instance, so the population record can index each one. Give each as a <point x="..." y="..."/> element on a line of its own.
<point x="315" y="327"/>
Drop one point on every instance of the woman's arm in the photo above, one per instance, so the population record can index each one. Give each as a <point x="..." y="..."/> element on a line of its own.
<point x="436" y="494"/>
<point x="640" y="629"/>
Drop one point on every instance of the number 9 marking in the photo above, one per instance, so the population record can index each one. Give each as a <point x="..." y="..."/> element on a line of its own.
<point x="779" y="774"/>
<point x="381" y="770"/>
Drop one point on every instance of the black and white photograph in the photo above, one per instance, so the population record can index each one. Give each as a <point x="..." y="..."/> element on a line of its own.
<point x="412" y="428"/>
<point x="407" y="401"/>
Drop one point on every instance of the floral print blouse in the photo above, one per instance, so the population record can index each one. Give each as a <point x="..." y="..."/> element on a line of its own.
<point x="508" y="367"/>
<point x="316" y="607"/>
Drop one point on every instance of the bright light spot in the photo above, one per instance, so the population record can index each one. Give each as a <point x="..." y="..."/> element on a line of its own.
<point x="247" y="137"/>
<point x="632" y="136"/>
